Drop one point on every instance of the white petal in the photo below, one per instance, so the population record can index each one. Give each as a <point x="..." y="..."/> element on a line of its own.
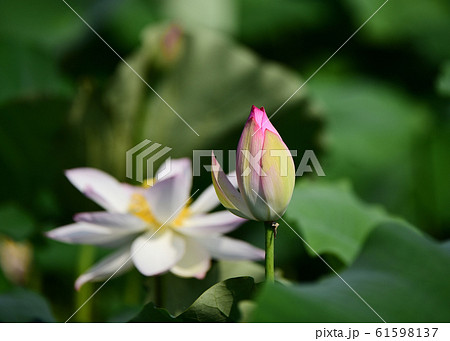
<point x="227" y="248"/>
<point x="119" y="261"/>
<point x="172" y="167"/>
<point x="167" y="197"/>
<point x="208" y="199"/>
<point x="86" y="233"/>
<point x="100" y="187"/>
<point x="121" y="221"/>
<point x="129" y="190"/>
<point x="195" y="262"/>
<point x="182" y="169"/>
<point x="155" y="253"/>
<point x="211" y="224"/>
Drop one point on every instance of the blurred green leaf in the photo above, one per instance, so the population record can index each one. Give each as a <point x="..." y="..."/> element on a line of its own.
<point x="424" y="24"/>
<point x="15" y="222"/>
<point x="28" y="72"/>
<point x="221" y="15"/>
<point x="375" y="135"/>
<point x="130" y="18"/>
<point x="403" y="275"/>
<point x="217" y="304"/>
<point x="332" y="219"/>
<point x="24" y="306"/>
<point x="260" y="19"/>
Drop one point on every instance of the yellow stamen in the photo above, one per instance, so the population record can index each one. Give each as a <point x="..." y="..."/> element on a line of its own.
<point x="184" y="213"/>
<point x="141" y="209"/>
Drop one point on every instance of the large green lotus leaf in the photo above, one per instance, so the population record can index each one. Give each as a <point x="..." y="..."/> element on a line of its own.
<point x="180" y="293"/>
<point x="332" y="219"/>
<point x="217" y="304"/>
<point x="211" y="82"/>
<point x="376" y="136"/>
<point x="24" y="306"/>
<point x="404" y="276"/>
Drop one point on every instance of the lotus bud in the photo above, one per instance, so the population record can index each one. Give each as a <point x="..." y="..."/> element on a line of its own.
<point x="265" y="172"/>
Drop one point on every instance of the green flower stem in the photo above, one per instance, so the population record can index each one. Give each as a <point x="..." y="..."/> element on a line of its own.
<point x="270" y="247"/>
<point x="86" y="259"/>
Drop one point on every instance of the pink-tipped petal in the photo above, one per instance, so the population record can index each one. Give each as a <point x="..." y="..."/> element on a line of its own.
<point x="248" y="161"/>
<point x="260" y="117"/>
<point x="91" y="234"/>
<point x="100" y="187"/>
<point x="121" y="222"/>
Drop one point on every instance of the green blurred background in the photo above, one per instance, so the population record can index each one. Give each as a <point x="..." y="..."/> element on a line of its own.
<point x="377" y="116"/>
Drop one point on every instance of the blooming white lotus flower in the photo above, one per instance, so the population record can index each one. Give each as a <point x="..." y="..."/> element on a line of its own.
<point x="154" y="226"/>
